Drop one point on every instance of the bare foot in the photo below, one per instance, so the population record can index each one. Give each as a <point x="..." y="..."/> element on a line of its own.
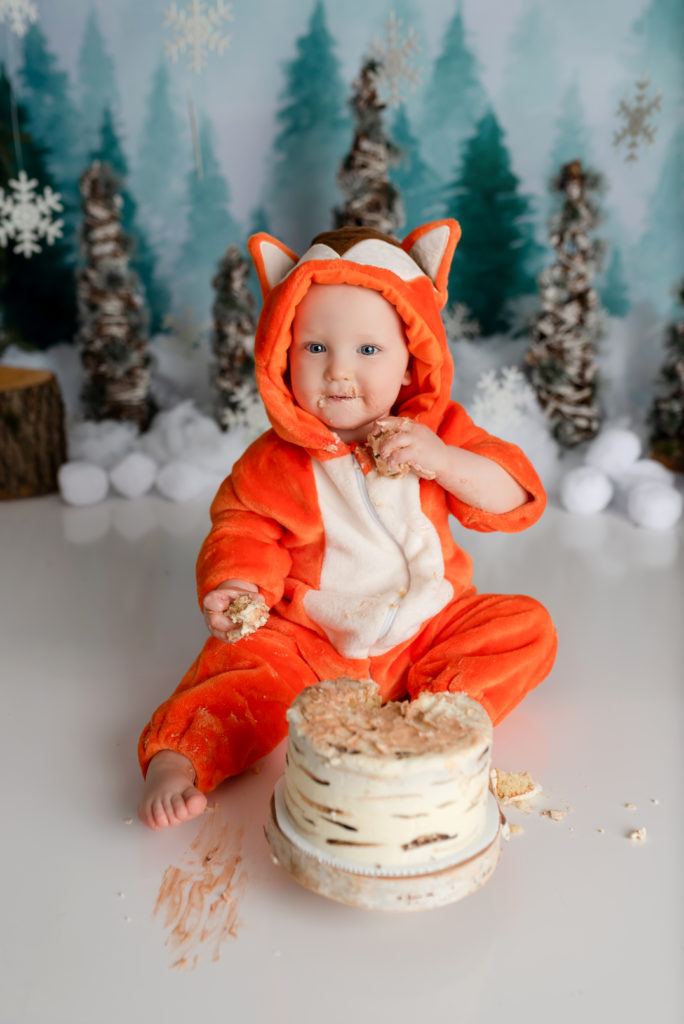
<point x="170" y="796"/>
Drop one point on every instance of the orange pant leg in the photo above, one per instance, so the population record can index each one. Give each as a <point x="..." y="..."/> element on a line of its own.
<point x="229" y="709"/>
<point x="496" y="648"/>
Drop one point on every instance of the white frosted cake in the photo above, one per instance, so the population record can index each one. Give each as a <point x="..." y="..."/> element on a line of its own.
<point x="390" y="785"/>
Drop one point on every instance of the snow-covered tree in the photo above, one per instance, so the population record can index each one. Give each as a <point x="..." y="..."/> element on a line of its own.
<point x="370" y="198"/>
<point x="112" y="335"/>
<point x="232" y="373"/>
<point x="313" y="131"/>
<point x="667" y="414"/>
<point x="143" y="262"/>
<point x="496" y="258"/>
<point x="53" y="119"/>
<point x="562" y="359"/>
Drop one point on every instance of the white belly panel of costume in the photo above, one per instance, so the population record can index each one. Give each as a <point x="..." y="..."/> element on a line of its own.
<point x="383" y="569"/>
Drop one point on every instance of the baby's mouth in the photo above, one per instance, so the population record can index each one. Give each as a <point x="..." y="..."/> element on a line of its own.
<point x="347" y="397"/>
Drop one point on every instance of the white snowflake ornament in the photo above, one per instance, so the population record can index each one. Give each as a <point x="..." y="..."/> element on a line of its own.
<point x="26" y="215"/>
<point x="198" y="30"/>
<point x="20" y="14"/>
<point x="635" y="116"/>
<point x="394" y="56"/>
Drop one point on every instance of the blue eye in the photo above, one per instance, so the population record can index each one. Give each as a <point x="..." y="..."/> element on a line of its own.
<point x="368" y="350"/>
<point x="315" y="347"/>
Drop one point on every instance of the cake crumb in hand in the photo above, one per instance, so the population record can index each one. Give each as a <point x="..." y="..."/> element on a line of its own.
<point x="247" y="614"/>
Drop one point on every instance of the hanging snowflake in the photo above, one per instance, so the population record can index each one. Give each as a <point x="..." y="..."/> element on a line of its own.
<point x="198" y="30"/>
<point x="394" y="55"/>
<point x="25" y="215"/>
<point x="458" y="323"/>
<point x="19" y="13"/>
<point x="635" y="116"/>
<point x="507" y="401"/>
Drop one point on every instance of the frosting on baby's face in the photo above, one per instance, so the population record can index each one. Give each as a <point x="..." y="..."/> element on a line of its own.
<point x="348" y="359"/>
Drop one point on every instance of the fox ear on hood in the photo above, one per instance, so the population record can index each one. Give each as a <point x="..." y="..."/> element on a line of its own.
<point x="272" y="260"/>
<point x="432" y="246"/>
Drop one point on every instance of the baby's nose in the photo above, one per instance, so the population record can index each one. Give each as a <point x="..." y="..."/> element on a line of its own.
<point x="337" y="369"/>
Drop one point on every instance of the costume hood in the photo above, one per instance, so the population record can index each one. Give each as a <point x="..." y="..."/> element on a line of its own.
<point x="412" y="275"/>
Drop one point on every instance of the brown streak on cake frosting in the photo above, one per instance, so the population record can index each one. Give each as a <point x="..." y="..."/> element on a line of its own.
<point x="408" y="778"/>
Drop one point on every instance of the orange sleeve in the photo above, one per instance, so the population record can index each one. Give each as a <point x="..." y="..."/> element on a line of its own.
<point x="250" y="516"/>
<point x="458" y="429"/>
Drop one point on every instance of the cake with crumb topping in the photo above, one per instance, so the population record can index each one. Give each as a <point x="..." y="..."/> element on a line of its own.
<point x="393" y="785"/>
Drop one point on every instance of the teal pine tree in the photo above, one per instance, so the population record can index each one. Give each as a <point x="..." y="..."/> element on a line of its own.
<point x="142" y="257"/>
<point x="258" y="222"/>
<point x="496" y="258"/>
<point x="53" y="118"/>
<point x="210" y="228"/>
<point x="96" y="80"/>
<point x="312" y="136"/>
<point x="420" y="187"/>
<point x="660" y="253"/>
<point x="667" y="413"/>
<point x="571" y="137"/>
<point x="614" y="291"/>
<point x="162" y="153"/>
<point x="656" y="51"/>
<point x="455" y="99"/>
<point x="37" y="295"/>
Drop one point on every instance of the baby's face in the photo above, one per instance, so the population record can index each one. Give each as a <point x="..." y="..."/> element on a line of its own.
<point x="348" y="358"/>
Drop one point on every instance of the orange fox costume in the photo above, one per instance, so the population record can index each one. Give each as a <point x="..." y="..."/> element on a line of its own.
<point x="361" y="572"/>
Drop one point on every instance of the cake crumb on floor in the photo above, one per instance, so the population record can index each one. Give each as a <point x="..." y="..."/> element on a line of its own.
<point x="637" y="835"/>
<point x="554" y="814"/>
<point x="513" y="787"/>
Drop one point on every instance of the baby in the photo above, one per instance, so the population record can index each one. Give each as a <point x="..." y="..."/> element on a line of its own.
<point x="358" y="568"/>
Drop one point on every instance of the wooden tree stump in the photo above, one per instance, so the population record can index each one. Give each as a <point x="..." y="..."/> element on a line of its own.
<point x="32" y="432"/>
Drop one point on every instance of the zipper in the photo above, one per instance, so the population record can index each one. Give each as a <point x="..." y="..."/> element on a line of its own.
<point x="392" y="611"/>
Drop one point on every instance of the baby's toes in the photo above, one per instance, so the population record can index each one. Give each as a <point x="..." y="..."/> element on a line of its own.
<point x="195" y="802"/>
<point x="158" y="814"/>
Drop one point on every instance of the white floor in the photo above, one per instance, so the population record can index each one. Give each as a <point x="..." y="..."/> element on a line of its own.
<point x="97" y="621"/>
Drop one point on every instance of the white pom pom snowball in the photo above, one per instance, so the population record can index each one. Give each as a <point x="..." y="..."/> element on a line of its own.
<point x="133" y="475"/>
<point x="655" y="506"/>
<point x="613" y="451"/>
<point x="181" y="481"/>
<point x="585" y="490"/>
<point x="82" y="483"/>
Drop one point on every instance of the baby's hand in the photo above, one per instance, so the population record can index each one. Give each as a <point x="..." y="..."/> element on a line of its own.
<point x="216" y="604"/>
<point x="409" y="444"/>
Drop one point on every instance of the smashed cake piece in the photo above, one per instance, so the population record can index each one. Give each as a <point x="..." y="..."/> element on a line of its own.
<point x="247" y="614"/>
<point x="513" y="787"/>
<point x="381" y="467"/>
<point x="373" y="444"/>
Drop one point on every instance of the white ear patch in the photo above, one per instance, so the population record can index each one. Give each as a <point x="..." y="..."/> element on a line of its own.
<point x="318" y="252"/>
<point x="277" y="264"/>
<point x="374" y="252"/>
<point x="428" y="251"/>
